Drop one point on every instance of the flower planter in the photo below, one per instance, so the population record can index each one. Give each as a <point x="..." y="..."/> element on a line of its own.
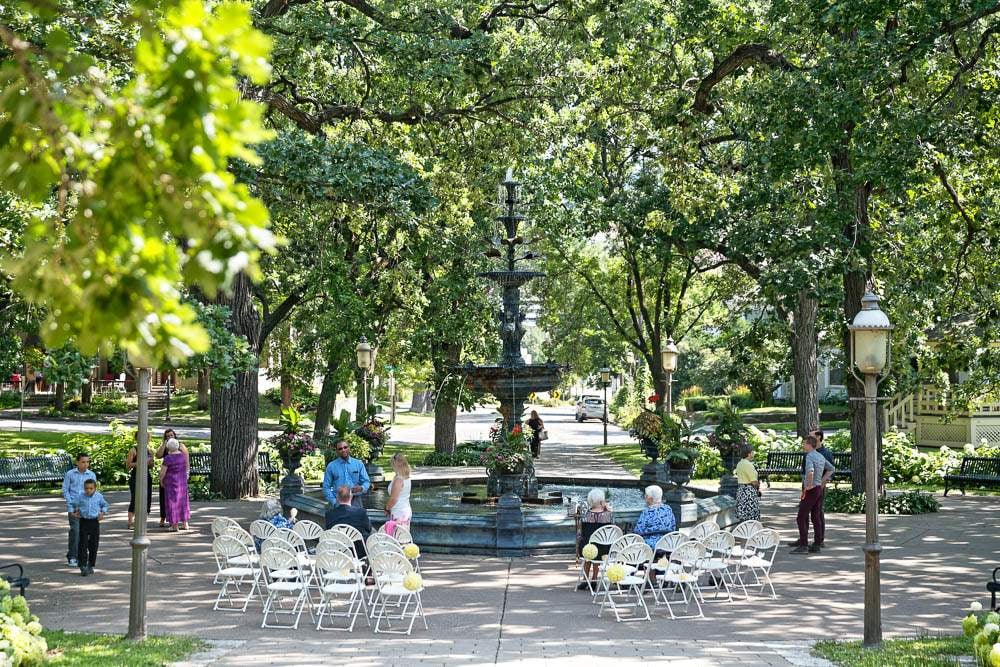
<point x="679" y="476"/>
<point x="292" y="463"/>
<point x="651" y="449"/>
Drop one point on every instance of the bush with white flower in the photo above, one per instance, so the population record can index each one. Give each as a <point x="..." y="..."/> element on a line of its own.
<point x="589" y="551"/>
<point x="984" y="629"/>
<point x="21" y="641"/>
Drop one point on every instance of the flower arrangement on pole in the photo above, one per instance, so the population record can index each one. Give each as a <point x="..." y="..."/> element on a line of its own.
<point x="508" y="450"/>
<point x="729" y="438"/>
<point x="667" y="436"/>
<point x="294" y="441"/>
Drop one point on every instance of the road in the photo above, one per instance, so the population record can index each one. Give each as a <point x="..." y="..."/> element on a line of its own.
<point x="471" y="426"/>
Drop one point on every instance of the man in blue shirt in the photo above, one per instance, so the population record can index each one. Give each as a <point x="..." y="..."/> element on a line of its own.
<point x="89" y="508"/>
<point x="345" y="471"/>
<point x="72" y="488"/>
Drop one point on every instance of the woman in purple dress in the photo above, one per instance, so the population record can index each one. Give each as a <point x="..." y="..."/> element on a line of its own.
<point x="174" y="481"/>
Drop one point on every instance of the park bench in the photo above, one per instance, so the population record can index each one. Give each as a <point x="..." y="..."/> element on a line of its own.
<point x="993" y="587"/>
<point x="790" y="463"/>
<point x="201" y="465"/>
<point x="20" y="581"/>
<point x="48" y="469"/>
<point x="975" y="471"/>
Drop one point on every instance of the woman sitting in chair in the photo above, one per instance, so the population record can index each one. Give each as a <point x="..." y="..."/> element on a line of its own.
<point x="657" y="519"/>
<point x="598" y="514"/>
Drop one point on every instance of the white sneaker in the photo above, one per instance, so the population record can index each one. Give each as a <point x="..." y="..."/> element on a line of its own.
<point x="72" y="562"/>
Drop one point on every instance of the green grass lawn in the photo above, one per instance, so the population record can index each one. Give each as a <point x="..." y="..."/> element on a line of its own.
<point x="78" y="649"/>
<point x="184" y="409"/>
<point x="835" y="425"/>
<point x="790" y="409"/>
<point x="406" y="419"/>
<point x="923" y="651"/>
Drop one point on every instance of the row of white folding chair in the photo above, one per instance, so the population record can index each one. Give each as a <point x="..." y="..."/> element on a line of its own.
<point x="631" y="589"/>
<point x="401" y="533"/>
<point x="390" y="569"/>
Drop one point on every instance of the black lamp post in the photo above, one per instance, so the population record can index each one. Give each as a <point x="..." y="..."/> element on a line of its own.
<point x="870" y="352"/>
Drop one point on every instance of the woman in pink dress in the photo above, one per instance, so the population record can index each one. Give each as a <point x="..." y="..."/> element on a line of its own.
<point x="174" y="480"/>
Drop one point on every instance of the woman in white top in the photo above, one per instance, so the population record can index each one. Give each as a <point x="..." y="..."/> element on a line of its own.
<point x="397" y="508"/>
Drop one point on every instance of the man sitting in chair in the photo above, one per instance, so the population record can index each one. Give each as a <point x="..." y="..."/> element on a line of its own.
<point x="345" y="512"/>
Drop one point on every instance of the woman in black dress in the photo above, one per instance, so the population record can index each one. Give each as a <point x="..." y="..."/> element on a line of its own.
<point x="536" y="424"/>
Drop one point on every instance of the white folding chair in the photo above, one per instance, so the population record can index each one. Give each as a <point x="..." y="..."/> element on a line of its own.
<point x="237" y="531"/>
<point x="682" y="574"/>
<point x="742" y="532"/>
<point x="403" y="534"/>
<point x="632" y="588"/>
<point x="234" y="569"/>
<point x="339" y="578"/>
<point x="350" y="531"/>
<point x="308" y="530"/>
<point x="757" y="559"/>
<point x="278" y="563"/>
<point x="336" y="541"/>
<point x="667" y="543"/>
<point x="703" y="530"/>
<point x="262" y="530"/>
<point x="220" y="523"/>
<point x="604" y="536"/>
<point x="718" y="559"/>
<point x="390" y="570"/>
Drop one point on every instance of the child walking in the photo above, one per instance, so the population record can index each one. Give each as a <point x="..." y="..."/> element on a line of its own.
<point x="89" y="508"/>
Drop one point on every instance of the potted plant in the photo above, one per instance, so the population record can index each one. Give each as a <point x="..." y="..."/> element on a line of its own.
<point x="293" y="442"/>
<point x="729" y="438"/>
<point x="676" y="449"/>
<point x="508" y="451"/>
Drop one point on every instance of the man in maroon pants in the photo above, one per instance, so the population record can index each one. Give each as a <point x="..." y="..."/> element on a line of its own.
<point x="818" y="472"/>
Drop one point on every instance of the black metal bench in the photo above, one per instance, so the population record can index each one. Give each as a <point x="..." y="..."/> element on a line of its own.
<point x="975" y="471"/>
<point x="993" y="587"/>
<point x="48" y="469"/>
<point x="201" y="465"/>
<point x="790" y="463"/>
<point x="19" y="581"/>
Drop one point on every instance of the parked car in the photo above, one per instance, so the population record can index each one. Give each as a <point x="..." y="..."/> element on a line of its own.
<point x="589" y="407"/>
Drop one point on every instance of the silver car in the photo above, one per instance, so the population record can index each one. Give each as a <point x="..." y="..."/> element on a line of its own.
<point x="589" y="407"/>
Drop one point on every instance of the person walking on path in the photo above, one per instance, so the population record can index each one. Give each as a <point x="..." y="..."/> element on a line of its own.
<point x="130" y="465"/>
<point x="537" y="426"/>
<point x="397" y="508"/>
<point x="89" y="508"/>
<point x="160" y="453"/>
<point x="72" y="488"/>
<point x="818" y="472"/>
<point x="748" y="491"/>
<point x="345" y="470"/>
<point x="174" y="482"/>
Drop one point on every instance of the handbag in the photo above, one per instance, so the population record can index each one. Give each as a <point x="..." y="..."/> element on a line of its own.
<point x="543" y="435"/>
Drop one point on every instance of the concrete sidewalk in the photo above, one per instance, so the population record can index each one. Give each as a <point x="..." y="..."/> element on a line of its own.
<point x="486" y="610"/>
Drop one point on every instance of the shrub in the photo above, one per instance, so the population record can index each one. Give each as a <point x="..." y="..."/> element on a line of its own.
<point x="910" y="502"/>
<point x="303" y="397"/>
<point x="466" y="454"/>
<point x="10" y="399"/>
<point x="984" y="630"/>
<point x="704" y="403"/>
<point x="693" y="390"/>
<point x="361" y="449"/>
<point x="742" y="398"/>
<point x="107" y="452"/>
<point x="21" y="643"/>
<point x="313" y="467"/>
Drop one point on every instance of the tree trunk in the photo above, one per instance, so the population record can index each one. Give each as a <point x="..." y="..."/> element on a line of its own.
<point x="234" y="410"/>
<point x="327" y="400"/>
<point x="419" y="400"/>
<point x="60" y="395"/>
<point x="87" y="391"/>
<point x="445" y="408"/>
<point x="286" y="390"/>
<point x="804" y="358"/>
<point x="854" y="289"/>
<point x="202" y="403"/>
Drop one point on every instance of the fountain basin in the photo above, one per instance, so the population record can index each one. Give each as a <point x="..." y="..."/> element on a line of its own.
<point x="442" y="523"/>
<point x="505" y="381"/>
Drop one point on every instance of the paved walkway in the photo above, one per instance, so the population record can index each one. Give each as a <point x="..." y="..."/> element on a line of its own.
<point x="484" y="610"/>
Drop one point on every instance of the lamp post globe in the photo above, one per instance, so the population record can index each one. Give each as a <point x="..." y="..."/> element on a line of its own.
<point x="363" y="350"/>
<point x="870" y="336"/>
<point x="668" y="359"/>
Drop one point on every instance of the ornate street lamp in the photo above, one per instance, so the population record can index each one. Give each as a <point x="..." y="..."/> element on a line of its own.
<point x="668" y="359"/>
<point x="870" y="353"/>
<point x="605" y="381"/>
<point x="364" y="354"/>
